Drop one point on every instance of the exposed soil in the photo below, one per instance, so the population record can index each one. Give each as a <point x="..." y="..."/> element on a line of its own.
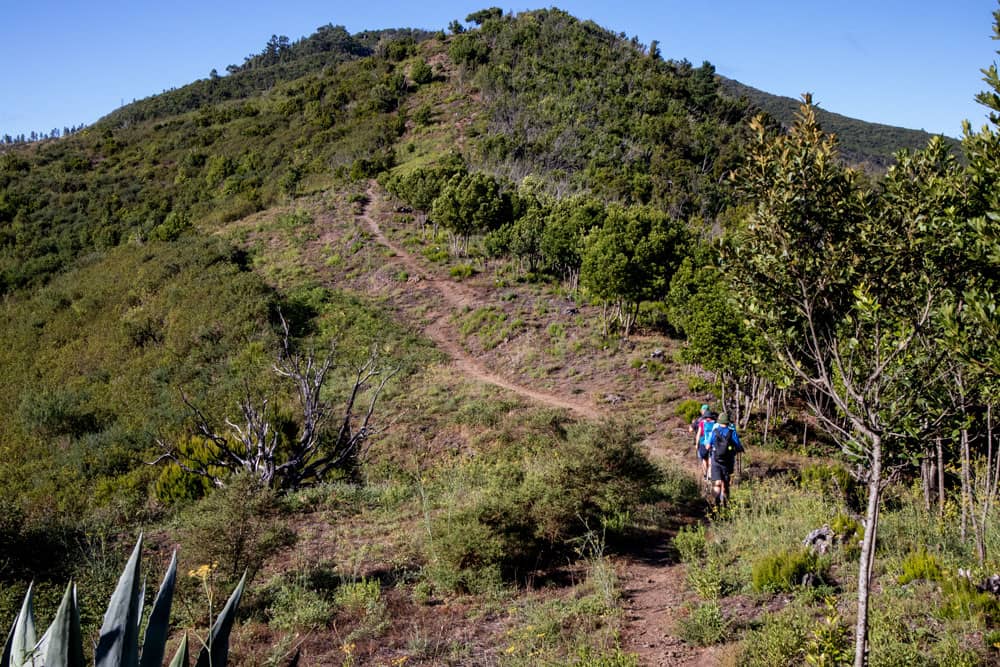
<point x="652" y="580"/>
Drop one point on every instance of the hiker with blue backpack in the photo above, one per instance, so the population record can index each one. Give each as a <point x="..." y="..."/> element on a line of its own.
<point x="702" y="429"/>
<point x="724" y="445"/>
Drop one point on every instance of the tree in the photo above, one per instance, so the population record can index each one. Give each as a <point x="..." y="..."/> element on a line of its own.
<point x="470" y="203"/>
<point x="814" y="256"/>
<point x="286" y="456"/>
<point x="630" y="259"/>
<point x="484" y="15"/>
<point x="421" y="72"/>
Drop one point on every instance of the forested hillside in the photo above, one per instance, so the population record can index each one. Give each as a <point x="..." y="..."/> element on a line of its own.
<point x="409" y="327"/>
<point x="872" y="145"/>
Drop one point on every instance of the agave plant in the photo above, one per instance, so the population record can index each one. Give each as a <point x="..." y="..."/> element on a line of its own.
<point x="118" y="646"/>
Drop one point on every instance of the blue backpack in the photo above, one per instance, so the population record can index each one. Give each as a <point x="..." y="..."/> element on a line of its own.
<point x="706" y="434"/>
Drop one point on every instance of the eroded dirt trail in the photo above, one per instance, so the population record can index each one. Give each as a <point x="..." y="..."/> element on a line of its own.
<point x="440" y="330"/>
<point x="652" y="581"/>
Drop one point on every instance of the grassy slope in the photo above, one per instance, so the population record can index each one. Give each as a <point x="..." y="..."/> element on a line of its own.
<point x="314" y="253"/>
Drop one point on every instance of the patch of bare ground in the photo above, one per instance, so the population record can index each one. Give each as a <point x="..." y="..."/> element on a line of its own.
<point x="548" y="355"/>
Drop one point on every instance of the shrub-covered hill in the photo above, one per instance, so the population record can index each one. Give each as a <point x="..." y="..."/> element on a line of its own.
<point x="144" y="262"/>
<point x="868" y="144"/>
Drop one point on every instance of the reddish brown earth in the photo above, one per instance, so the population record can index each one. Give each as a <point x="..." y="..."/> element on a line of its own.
<point x="652" y="580"/>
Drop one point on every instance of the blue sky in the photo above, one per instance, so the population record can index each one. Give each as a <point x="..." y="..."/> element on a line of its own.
<point x="914" y="64"/>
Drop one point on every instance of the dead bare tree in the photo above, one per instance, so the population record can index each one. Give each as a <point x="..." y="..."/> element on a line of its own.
<point x="330" y="437"/>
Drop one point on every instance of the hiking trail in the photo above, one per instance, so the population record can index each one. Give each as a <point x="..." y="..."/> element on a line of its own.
<point x="652" y="580"/>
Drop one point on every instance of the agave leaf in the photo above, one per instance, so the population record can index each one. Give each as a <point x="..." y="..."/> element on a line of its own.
<point x="5" y="659"/>
<point x="24" y="638"/>
<point x="118" y="645"/>
<point x="155" y="641"/>
<point x="181" y="658"/>
<point x="216" y="654"/>
<point x="64" y="638"/>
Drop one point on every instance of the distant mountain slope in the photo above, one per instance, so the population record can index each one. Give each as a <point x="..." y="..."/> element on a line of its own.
<point x="861" y="142"/>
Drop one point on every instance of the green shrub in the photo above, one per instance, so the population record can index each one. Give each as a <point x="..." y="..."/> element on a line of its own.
<point x="833" y="479"/>
<point x="783" y="570"/>
<point x="688" y="410"/>
<point x="236" y="527"/>
<point x="707" y="579"/>
<point x="920" y="565"/>
<point x="461" y="271"/>
<point x="705" y="625"/>
<point x="363" y="600"/>
<point x="830" y="640"/>
<point x="781" y="640"/>
<point x="690" y="543"/>
<point x="962" y="601"/>
<point x="296" y="607"/>
<point x="538" y="499"/>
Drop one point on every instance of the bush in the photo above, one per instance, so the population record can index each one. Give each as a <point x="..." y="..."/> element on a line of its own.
<point x="705" y="625"/>
<point x="690" y="543"/>
<point x="920" y="565"/>
<point x="363" y="600"/>
<point x="535" y="503"/>
<point x="296" y="607"/>
<point x="688" y="410"/>
<point x="784" y="570"/>
<point x="461" y="271"/>
<point x="235" y="527"/>
<point x="780" y="641"/>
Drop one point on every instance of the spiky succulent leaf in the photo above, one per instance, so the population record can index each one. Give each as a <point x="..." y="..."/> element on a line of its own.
<point x="182" y="657"/>
<point x="24" y="637"/>
<point x="118" y="645"/>
<point x="155" y="640"/>
<point x="216" y="654"/>
<point x="64" y="637"/>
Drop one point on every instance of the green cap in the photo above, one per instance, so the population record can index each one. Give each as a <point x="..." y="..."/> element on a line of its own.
<point x="704" y="407"/>
<point x="723" y="419"/>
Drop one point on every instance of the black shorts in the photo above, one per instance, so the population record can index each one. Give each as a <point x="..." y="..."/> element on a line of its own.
<point x="721" y="472"/>
<point x="702" y="452"/>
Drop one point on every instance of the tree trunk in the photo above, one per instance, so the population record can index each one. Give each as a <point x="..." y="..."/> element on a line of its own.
<point x="940" y="476"/>
<point x="926" y="471"/>
<point x="966" y="490"/>
<point x="868" y="553"/>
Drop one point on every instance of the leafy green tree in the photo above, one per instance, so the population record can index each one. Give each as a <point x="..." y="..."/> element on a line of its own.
<point x="702" y="307"/>
<point x="470" y="203"/>
<point x="484" y="15"/>
<point x="630" y="259"/>
<point x="814" y="255"/>
<point x="565" y="229"/>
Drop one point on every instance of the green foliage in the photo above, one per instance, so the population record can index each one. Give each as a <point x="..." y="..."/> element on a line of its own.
<point x="781" y="640"/>
<point x="535" y="500"/>
<point x="783" y="570"/>
<point x="962" y="601"/>
<point x="688" y="410"/>
<point x="831" y="478"/>
<point x="705" y="625"/>
<point x="363" y="600"/>
<point x="545" y="77"/>
<point x="421" y="72"/>
<point x="920" y="565"/>
<point x="871" y="145"/>
<point x="690" y="544"/>
<point x="119" y="642"/>
<point x="830" y="640"/>
<point x="235" y="527"/>
<point x="631" y="258"/>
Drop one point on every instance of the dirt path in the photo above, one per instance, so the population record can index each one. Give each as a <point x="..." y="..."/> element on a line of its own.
<point x="458" y="296"/>
<point x="652" y="580"/>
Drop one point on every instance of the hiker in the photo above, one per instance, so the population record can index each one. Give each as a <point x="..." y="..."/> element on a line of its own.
<point x="698" y="427"/>
<point x="724" y="445"/>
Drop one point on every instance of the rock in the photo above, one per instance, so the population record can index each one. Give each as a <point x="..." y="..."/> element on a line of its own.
<point x="571" y="310"/>
<point x="657" y="354"/>
<point x="819" y="540"/>
<point x="613" y="399"/>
